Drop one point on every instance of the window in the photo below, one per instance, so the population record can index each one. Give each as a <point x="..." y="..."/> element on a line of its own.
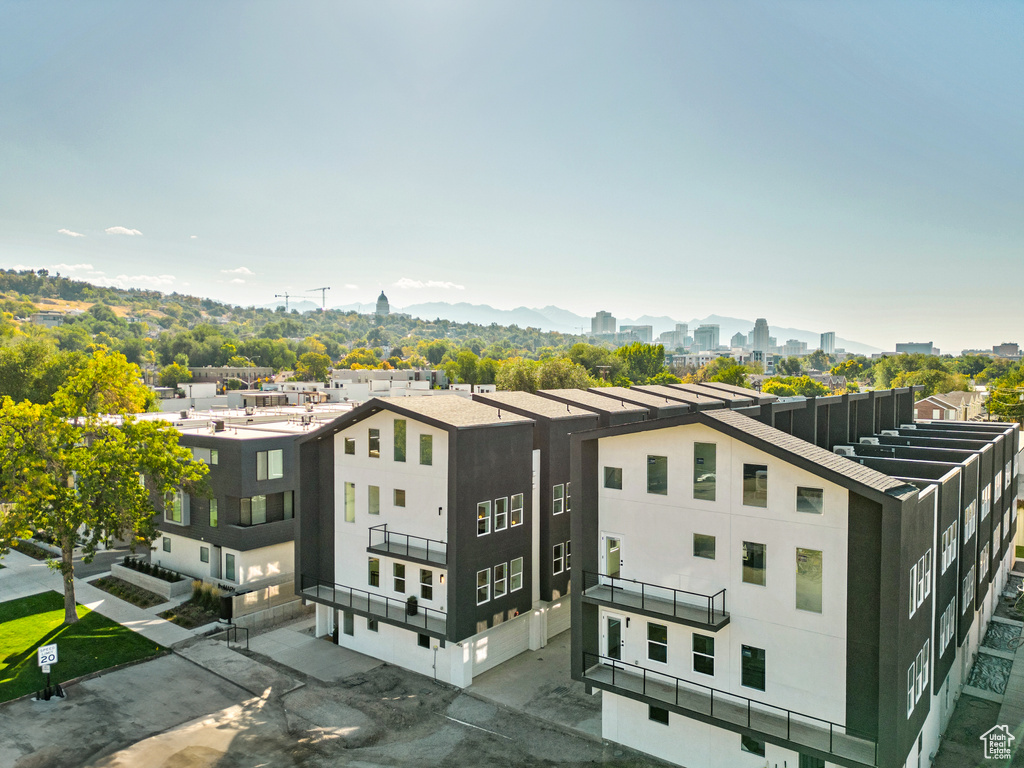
<point x="808" y="580"/>
<point x="752" y="745"/>
<point x="371" y="624"/>
<point x="214" y="456"/>
<point x="968" y="590"/>
<point x="399" y="497"/>
<point x="426" y="450"/>
<point x="289" y="505"/>
<point x="173" y="506"/>
<point x="483" y="518"/>
<point x="516" y="575"/>
<point x="204" y="554"/>
<point x="373" y="499"/>
<point x="348" y="623"/>
<point x="703" y="654"/>
<point x="983" y="562"/>
<point x="253" y="511"/>
<point x="657" y="714"/>
<point x="500" y="580"/>
<point x="350" y="446"/>
<point x="568" y="555"/>
<point x="501" y="514"/>
<point x="704" y="468"/>
<point x="657" y="642"/>
<point x="229" y="567"/>
<point x="986" y="500"/>
<point x="426" y="584"/>
<point x="558" y="500"/>
<point x="754" y="562"/>
<point x="704" y="546"/>
<point x="483" y="586"/>
<point x="399" y="439"/>
<point x="214" y="513"/>
<point x="167" y="544"/>
<point x="373" y="450"/>
<point x="373" y="572"/>
<point x="558" y="558"/>
<point x="517" y="510"/>
<point x="657" y="475"/>
<point x="350" y="502"/>
<point x="753" y="667"/>
<point x="914" y="602"/>
<point x="270" y="465"/>
<point x="911" y="689"/>
<point x="949" y="546"/>
<point x="809" y="761"/>
<point x="755" y="485"/>
<point x="970" y="520"/>
<point x="201" y="454"/>
<point x="568" y="497"/>
<point x="810" y="500"/>
<point x="423" y="641"/>
<point x="997" y="485"/>
<point x="613" y="478"/>
<point x="399" y="574"/>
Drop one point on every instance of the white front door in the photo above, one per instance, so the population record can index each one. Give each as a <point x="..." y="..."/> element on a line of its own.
<point x="613" y="636"/>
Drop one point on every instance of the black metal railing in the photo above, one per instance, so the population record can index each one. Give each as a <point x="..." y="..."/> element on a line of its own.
<point x="390" y="542"/>
<point x="388" y="608"/>
<point x="231" y="635"/>
<point x="678" y="603"/>
<point x="807" y="730"/>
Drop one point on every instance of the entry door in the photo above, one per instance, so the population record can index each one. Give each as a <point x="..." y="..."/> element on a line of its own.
<point x="614" y="636"/>
<point x="612" y="552"/>
<point x="215" y="563"/>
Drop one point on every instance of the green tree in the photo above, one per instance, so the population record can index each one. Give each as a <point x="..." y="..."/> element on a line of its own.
<point x="819" y="361"/>
<point x="517" y="374"/>
<point x="33" y="370"/>
<point x="734" y="374"/>
<point x="789" y="366"/>
<point x="561" y="373"/>
<point x="641" y="361"/>
<point x="174" y="374"/>
<point x="313" y="366"/>
<point x="70" y="469"/>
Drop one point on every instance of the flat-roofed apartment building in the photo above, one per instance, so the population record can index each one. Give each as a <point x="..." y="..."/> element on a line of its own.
<point x="745" y="594"/>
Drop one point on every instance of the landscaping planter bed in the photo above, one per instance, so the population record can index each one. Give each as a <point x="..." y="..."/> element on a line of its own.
<point x="166" y="589"/>
<point x="128" y="592"/>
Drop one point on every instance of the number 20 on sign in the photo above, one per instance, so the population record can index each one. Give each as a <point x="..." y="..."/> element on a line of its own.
<point x="47" y="654"/>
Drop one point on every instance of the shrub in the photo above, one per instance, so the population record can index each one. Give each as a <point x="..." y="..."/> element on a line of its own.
<point x="206" y="596"/>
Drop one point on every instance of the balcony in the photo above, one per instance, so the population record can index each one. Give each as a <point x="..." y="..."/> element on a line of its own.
<point x="401" y="545"/>
<point x="691" y="608"/>
<point x="785" y="727"/>
<point x="381" y="607"/>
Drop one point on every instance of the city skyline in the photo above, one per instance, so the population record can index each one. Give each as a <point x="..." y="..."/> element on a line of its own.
<point x="823" y="167"/>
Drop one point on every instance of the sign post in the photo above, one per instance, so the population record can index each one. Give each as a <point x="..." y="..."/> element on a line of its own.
<point x="46" y="655"/>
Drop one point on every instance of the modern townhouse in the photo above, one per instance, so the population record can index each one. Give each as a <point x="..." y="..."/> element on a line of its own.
<point x="745" y="596"/>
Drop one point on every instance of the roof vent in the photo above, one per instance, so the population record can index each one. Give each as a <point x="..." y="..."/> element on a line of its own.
<point x="869" y="440"/>
<point x="845" y="450"/>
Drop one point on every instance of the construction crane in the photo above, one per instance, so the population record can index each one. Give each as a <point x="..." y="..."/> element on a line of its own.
<point x="323" y="296"/>
<point x="284" y="296"/>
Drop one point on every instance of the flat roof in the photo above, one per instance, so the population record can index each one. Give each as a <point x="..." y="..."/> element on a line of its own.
<point x="587" y="399"/>
<point x="454" y="411"/>
<point x="672" y="393"/>
<point x="638" y="396"/>
<point x="535" y="404"/>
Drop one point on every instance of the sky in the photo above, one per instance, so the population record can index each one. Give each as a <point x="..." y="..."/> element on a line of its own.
<point x="856" y="167"/>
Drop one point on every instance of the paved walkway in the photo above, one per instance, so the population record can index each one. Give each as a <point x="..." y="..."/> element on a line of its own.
<point x="23" y="576"/>
<point x="295" y="647"/>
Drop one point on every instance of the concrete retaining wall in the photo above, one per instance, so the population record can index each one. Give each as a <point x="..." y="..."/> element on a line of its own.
<point x="266" y="602"/>
<point x="166" y="589"/>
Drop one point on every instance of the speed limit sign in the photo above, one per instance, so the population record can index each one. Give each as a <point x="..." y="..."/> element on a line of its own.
<point x="47" y="654"/>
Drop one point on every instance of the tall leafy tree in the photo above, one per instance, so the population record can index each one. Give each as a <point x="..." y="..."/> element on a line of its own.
<point x="72" y="468"/>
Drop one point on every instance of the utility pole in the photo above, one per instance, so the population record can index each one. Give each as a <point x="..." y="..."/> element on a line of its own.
<point x="284" y="296"/>
<point x="323" y="296"/>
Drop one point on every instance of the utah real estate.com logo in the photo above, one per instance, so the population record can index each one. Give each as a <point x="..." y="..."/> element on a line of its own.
<point x="997" y="742"/>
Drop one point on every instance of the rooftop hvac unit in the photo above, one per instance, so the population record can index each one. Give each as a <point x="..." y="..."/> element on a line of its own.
<point x="250" y="410"/>
<point x="889" y="433"/>
<point x="869" y="440"/>
<point x="908" y="426"/>
<point x="218" y="425"/>
<point x="183" y="414"/>
<point x="309" y="407"/>
<point x="845" y="450"/>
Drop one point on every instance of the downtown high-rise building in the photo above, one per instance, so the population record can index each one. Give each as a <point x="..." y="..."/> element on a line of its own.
<point x="759" y="339"/>
<point x="828" y="342"/>
<point x="602" y="322"/>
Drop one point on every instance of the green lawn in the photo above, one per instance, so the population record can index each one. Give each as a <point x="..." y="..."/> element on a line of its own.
<point x="93" y="644"/>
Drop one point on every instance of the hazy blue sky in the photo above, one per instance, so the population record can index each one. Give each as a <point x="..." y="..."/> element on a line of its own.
<point x="847" y="166"/>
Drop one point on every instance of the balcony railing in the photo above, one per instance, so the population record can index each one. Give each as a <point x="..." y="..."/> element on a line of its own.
<point x="768" y="719"/>
<point x="688" y="607"/>
<point x="382" y="607"/>
<point x="418" y="548"/>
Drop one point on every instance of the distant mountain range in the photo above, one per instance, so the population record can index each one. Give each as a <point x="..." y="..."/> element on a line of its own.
<point x="553" y="318"/>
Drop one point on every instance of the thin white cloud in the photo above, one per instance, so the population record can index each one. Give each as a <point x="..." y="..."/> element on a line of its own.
<point x="238" y="271"/>
<point x="72" y="268"/>
<point x="122" y="231"/>
<point x="405" y="282"/>
<point x="352" y="287"/>
<point x="237" y="281"/>
<point x="193" y="237"/>
<point x="69" y="233"/>
<point x="136" y="281"/>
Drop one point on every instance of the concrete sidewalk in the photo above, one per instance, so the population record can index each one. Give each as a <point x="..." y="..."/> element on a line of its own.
<point x="23" y="576"/>
<point x="294" y="646"/>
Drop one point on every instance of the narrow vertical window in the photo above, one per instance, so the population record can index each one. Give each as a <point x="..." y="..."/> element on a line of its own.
<point x="755" y="485"/>
<point x="657" y="475"/>
<point x="703" y="654"/>
<point x="752" y="663"/>
<point x="350" y="446"/>
<point x="373" y="572"/>
<point x="399" y="439"/>
<point x="704" y="471"/>
<point x="501" y="514"/>
<point x="289" y="505"/>
<point x="517" y="509"/>
<point x="214" y="513"/>
<point x="426" y="450"/>
<point x="558" y="558"/>
<point x="399" y="574"/>
<point x="229" y="567"/>
<point x="426" y="584"/>
<point x="261" y="465"/>
<point x="350" y="502"/>
<point x="808" y="580"/>
<point x="483" y="518"/>
<point x="500" y="580"/>
<point x="516" y="574"/>
<point x="558" y="500"/>
<point x="657" y="642"/>
<point x="214" y="456"/>
<point x="374" y="444"/>
<point x="275" y="464"/>
<point x="754" y="563"/>
<point x="373" y="499"/>
<point x="399" y="497"/>
<point x="483" y="586"/>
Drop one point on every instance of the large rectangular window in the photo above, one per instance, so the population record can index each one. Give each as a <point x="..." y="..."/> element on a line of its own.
<point x="398" y="570"/>
<point x="500" y="580"/>
<point x="704" y="546"/>
<point x="657" y="475"/>
<point x="808" y="579"/>
<point x="754" y="563"/>
<point x="703" y="654"/>
<point x="373" y="499"/>
<point x="558" y="499"/>
<point x="516" y="575"/>
<point x="270" y="465"/>
<point x="350" y="502"/>
<point x="755" y="485"/>
<point x="483" y="586"/>
<point x="705" y="466"/>
<point x="373" y="572"/>
<point x="426" y="584"/>
<point x="752" y="667"/>
<point x="657" y="642"/>
<point x="613" y="478"/>
<point x="374" y="444"/>
<point x="399" y="439"/>
<point x="483" y="518"/>
<point x="229" y="567"/>
<point x="426" y="450"/>
<point x="810" y="500"/>
<point x="517" y="509"/>
<point x="253" y="511"/>
<point x="204" y="554"/>
<point x="501" y="514"/>
<point x="173" y="503"/>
